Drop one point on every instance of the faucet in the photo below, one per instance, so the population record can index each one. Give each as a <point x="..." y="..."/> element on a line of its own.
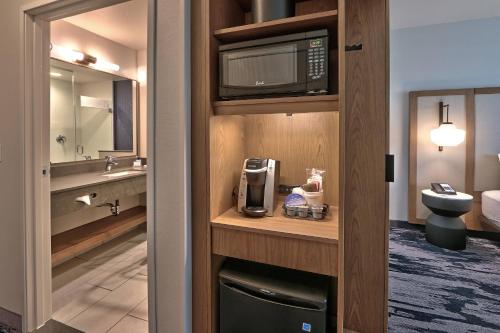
<point x="110" y="161"/>
<point x="114" y="207"/>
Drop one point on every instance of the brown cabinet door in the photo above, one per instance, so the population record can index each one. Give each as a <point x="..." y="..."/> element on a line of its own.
<point x="365" y="141"/>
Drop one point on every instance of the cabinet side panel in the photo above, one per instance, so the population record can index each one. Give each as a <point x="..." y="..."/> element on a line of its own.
<point x="227" y="156"/>
<point x="365" y="198"/>
<point x="200" y="102"/>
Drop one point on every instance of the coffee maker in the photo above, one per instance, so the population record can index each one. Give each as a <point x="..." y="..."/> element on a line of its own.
<point x="259" y="184"/>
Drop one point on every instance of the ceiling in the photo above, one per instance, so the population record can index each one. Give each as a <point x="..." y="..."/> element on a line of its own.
<point x="415" y="13"/>
<point x="125" y="23"/>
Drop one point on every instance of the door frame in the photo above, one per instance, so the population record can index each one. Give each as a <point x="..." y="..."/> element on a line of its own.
<point x="35" y="126"/>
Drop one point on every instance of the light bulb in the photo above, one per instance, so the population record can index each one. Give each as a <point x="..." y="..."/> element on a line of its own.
<point x="142" y="76"/>
<point x="106" y="66"/>
<point x="447" y="135"/>
<point x="66" y="54"/>
<point x="77" y="55"/>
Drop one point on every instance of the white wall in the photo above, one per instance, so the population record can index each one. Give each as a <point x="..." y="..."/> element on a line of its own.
<point x="455" y="55"/>
<point x="11" y="234"/>
<point x="68" y="35"/>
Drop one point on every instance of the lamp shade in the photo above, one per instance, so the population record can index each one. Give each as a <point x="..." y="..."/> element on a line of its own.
<point x="447" y="135"/>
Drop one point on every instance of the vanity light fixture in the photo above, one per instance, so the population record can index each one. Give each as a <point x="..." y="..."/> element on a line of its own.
<point x="447" y="134"/>
<point x="55" y="74"/>
<point x="81" y="58"/>
<point x="66" y="54"/>
<point x="104" y="65"/>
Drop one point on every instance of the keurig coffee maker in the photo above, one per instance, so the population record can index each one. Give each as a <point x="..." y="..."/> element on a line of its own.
<point x="259" y="185"/>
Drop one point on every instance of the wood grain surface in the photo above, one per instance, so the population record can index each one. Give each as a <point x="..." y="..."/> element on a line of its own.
<point x="323" y="231"/>
<point x="365" y="205"/>
<point x="301" y="23"/>
<point x="76" y="241"/>
<point x="300" y="141"/>
<point x="299" y="104"/>
<point x="217" y="146"/>
<point x="306" y="255"/>
<point x="200" y="110"/>
<point x="227" y="151"/>
<point x="470" y="155"/>
<point x="412" y="158"/>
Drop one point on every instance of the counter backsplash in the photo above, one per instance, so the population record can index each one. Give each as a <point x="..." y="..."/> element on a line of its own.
<point x="71" y="168"/>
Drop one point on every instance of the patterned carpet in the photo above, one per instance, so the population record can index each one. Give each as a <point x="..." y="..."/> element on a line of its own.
<point x="437" y="290"/>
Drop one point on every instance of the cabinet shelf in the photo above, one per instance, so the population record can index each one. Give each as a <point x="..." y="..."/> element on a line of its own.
<point x="297" y="244"/>
<point x="73" y="242"/>
<point x="320" y="20"/>
<point x="325" y="231"/>
<point x="301" y="104"/>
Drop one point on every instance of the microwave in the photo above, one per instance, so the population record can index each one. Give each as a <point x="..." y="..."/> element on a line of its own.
<point x="293" y="65"/>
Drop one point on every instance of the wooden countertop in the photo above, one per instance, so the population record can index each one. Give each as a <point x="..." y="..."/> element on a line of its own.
<point x="326" y="230"/>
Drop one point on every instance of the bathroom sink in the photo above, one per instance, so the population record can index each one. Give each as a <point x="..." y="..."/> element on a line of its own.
<point x="122" y="173"/>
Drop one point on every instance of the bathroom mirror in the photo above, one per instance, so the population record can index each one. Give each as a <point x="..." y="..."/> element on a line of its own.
<point x="92" y="113"/>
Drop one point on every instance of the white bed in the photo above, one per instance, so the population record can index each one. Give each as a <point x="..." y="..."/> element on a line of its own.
<point x="490" y="202"/>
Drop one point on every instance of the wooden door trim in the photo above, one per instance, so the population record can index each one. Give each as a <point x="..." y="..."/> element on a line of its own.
<point x="487" y="91"/>
<point x="470" y="143"/>
<point x="342" y="79"/>
<point x="200" y="158"/>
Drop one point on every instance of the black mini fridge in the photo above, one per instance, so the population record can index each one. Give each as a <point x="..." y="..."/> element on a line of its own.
<point x="256" y="298"/>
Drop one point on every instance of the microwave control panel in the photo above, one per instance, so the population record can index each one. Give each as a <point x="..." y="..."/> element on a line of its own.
<point x="317" y="59"/>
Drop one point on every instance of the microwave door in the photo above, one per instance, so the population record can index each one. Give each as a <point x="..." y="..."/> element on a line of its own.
<point x="264" y="70"/>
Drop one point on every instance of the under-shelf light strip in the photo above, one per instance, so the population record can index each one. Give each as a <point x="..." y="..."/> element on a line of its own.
<point x="70" y="55"/>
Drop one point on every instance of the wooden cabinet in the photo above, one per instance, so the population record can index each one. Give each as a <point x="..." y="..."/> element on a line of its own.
<point x="344" y="133"/>
<point x="365" y="143"/>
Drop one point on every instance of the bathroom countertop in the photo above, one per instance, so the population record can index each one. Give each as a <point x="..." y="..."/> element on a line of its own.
<point x="80" y="180"/>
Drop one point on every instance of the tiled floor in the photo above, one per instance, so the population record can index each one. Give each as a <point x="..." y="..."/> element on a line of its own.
<point x="104" y="290"/>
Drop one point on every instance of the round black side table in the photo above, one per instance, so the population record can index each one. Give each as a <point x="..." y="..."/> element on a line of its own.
<point x="444" y="227"/>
